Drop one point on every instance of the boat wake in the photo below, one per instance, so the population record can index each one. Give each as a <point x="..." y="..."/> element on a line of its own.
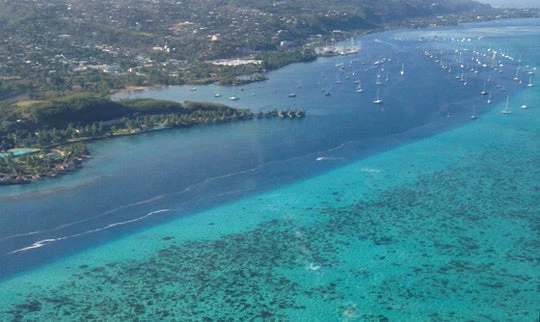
<point x="186" y="195"/>
<point x="328" y="159"/>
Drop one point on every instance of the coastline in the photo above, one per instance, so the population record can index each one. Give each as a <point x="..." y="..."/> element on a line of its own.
<point x="70" y="166"/>
<point x="57" y="170"/>
<point x="421" y="177"/>
<point x="131" y="89"/>
<point x="73" y="162"/>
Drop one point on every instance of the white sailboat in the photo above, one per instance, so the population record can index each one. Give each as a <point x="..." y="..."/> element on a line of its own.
<point x="530" y="82"/>
<point x="473" y="114"/>
<point x="483" y="91"/>
<point x="524" y="106"/>
<point x="292" y="94"/>
<point x="233" y="97"/>
<point x="326" y="91"/>
<point x="378" y="100"/>
<point x="516" y="78"/>
<point x="506" y="109"/>
<point x="359" y="88"/>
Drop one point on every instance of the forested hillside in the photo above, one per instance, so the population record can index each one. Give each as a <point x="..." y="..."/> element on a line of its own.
<point x="52" y="48"/>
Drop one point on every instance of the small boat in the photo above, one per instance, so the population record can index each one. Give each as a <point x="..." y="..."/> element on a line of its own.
<point x="402" y="71"/>
<point x="378" y="100"/>
<point x="193" y="89"/>
<point x="530" y="82"/>
<point x="359" y="88"/>
<point x="524" y="105"/>
<point x="516" y="78"/>
<point x="326" y="90"/>
<point x="378" y="81"/>
<point x="483" y="91"/>
<point x="217" y="94"/>
<point x="233" y="97"/>
<point x="291" y="94"/>
<point x="506" y="109"/>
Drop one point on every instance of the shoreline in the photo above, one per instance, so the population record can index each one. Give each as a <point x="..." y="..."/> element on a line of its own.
<point x="243" y="80"/>
<point x="76" y="162"/>
<point x="12" y="179"/>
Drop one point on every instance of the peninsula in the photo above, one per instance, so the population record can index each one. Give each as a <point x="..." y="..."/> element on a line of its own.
<point x="60" y="61"/>
<point x="48" y="137"/>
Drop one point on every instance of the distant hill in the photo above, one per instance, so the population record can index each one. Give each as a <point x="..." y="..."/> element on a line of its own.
<point x="513" y="3"/>
<point x="57" y="47"/>
<point x="186" y="29"/>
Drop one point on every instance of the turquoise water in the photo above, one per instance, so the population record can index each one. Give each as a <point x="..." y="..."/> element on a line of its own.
<point x="414" y="213"/>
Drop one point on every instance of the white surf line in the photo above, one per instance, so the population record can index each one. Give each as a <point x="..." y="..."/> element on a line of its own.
<point x="338" y="147"/>
<point x="43" y="242"/>
<point x="252" y="170"/>
<point x="187" y="189"/>
<point x="21" y="235"/>
<point x="142" y="202"/>
<point x="83" y="220"/>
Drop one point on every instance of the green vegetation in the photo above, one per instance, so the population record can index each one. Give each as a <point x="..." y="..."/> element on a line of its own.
<point x="83" y="117"/>
<point x="53" y="48"/>
<point x="55" y="129"/>
<point x="60" y="60"/>
<point x="31" y="167"/>
<point x="275" y="60"/>
<point x="83" y="109"/>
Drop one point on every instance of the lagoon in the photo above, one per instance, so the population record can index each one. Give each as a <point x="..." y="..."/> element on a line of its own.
<point x="406" y="210"/>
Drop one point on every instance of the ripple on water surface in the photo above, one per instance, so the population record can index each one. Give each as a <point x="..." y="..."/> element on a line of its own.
<point x="386" y="238"/>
